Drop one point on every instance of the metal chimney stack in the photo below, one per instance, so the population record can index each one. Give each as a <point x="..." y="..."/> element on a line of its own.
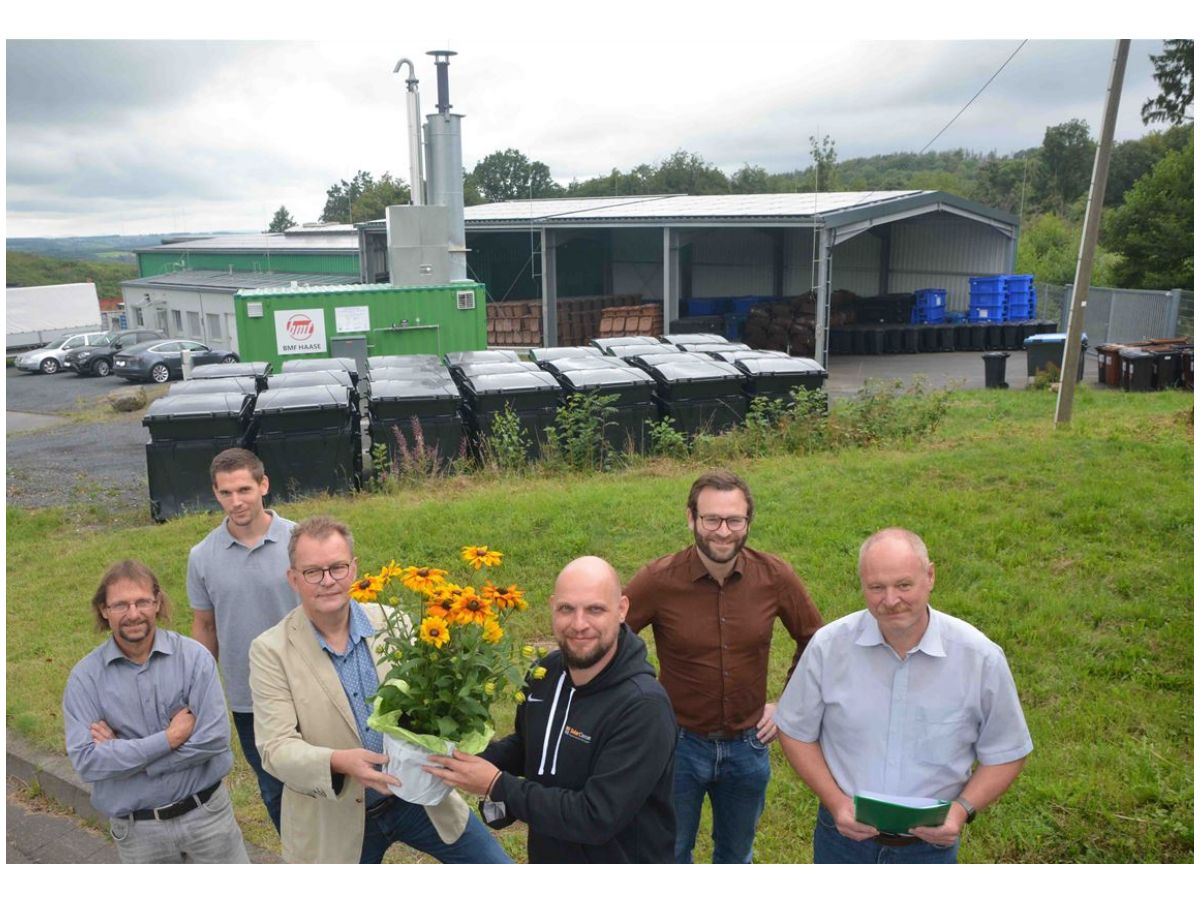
<point x="443" y="145"/>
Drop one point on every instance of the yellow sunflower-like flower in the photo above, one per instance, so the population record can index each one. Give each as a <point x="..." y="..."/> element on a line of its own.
<point x="422" y="579"/>
<point x="441" y="604"/>
<point x="367" y="588"/>
<point x="481" y="556"/>
<point x="510" y="597"/>
<point x="435" y="631"/>
<point x="539" y="672"/>
<point x="492" y="632"/>
<point x="390" y="571"/>
<point x="471" y="608"/>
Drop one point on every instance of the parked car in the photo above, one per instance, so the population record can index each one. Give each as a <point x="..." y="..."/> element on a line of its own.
<point x="49" y="359"/>
<point x="160" y="361"/>
<point x="96" y="359"/>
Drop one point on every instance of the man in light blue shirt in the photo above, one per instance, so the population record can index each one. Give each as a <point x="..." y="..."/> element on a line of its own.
<point x="900" y="699"/>
<point x="238" y="588"/>
<point x="146" y="726"/>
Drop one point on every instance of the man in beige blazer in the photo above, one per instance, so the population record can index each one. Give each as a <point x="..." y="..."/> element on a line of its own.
<point x="311" y="677"/>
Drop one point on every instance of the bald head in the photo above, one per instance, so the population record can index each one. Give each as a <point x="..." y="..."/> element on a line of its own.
<point x="890" y="535"/>
<point x="590" y="574"/>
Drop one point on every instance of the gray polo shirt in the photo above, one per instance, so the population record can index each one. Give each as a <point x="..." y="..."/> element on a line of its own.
<point x="248" y="591"/>
<point x="914" y="726"/>
<point x="138" y="769"/>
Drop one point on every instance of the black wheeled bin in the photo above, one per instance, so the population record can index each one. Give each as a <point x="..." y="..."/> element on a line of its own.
<point x="186" y="432"/>
<point x="243" y="385"/>
<point x="544" y="354"/>
<point x="404" y="361"/>
<point x="582" y="363"/>
<point x="632" y="391"/>
<point x="1137" y="369"/>
<point x="701" y="395"/>
<point x="1042" y="350"/>
<point x="328" y="364"/>
<point x="630" y="352"/>
<point x="709" y="347"/>
<point x="695" y="338"/>
<point x="1166" y="368"/>
<point x="776" y="379"/>
<point x="732" y="356"/>
<point x="463" y="371"/>
<point x="256" y="370"/>
<point x="418" y="415"/>
<point x="463" y="357"/>
<point x="533" y="396"/>
<point x="602" y="344"/>
<point x="308" y="440"/>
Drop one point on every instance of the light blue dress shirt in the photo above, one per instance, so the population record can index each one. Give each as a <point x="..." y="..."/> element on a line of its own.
<point x="912" y="726"/>
<point x="138" y="769"/>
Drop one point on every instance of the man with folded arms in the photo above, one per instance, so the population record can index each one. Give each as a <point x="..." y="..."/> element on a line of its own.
<point x="146" y="726"/>
<point x="900" y="699"/>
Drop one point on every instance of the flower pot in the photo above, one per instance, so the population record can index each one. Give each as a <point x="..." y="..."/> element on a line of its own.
<point x="405" y="760"/>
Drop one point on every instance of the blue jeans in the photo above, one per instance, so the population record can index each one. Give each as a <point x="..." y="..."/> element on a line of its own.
<point x="399" y="820"/>
<point x="831" y="846"/>
<point x="734" y="775"/>
<point x="270" y="788"/>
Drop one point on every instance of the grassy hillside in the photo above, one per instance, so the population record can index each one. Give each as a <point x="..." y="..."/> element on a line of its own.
<point x="1073" y="550"/>
<point x="27" y="270"/>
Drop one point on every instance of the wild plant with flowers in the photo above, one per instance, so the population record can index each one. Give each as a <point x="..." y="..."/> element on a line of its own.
<point x="449" y="652"/>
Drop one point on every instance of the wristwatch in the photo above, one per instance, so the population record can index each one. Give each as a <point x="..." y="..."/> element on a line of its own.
<point x="966" y="804"/>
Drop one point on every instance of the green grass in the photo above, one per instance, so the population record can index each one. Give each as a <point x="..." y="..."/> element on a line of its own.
<point x="1071" y="549"/>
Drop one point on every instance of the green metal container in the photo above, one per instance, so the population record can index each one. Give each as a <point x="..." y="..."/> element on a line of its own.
<point x="280" y="324"/>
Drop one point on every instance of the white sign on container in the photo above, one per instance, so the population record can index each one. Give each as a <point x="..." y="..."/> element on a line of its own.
<point x="300" y="331"/>
<point x="352" y="318"/>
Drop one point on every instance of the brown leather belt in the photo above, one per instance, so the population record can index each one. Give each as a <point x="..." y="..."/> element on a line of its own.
<point x="714" y="735"/>
<point x="175" y="810"/>
<point x="895" y="840"/>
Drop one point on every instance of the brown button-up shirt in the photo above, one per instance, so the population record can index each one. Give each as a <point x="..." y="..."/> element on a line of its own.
<point x="713" y="640"/>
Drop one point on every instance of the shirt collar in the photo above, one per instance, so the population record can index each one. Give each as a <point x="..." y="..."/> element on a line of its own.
<point x="697" y="569"/>
<point x="360" y="629"/>
<point x="275" y="532"/>
<point x="930" y="644"/>
<point x="112" y="652"/>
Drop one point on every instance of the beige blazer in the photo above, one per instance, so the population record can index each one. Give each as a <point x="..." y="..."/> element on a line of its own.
<point x="301" y="716"/>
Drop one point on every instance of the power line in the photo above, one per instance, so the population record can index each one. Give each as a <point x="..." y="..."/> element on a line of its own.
<point x="976" y="97"/>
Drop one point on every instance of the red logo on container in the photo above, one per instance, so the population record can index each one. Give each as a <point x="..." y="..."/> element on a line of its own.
<point x="301" y="327"/>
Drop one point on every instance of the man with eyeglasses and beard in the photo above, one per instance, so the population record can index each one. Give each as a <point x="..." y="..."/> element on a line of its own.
<point x="146" y="727"/>
<point x="712" y="608"/>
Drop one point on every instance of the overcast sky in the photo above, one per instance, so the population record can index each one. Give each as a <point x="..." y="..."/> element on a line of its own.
<point x="134" y="136"/>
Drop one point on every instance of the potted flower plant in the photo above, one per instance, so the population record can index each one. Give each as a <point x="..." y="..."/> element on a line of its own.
<point x="450" y="655"/>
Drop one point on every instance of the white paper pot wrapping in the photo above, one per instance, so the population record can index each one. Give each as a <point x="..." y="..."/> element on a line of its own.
<point x="416" y="785"/>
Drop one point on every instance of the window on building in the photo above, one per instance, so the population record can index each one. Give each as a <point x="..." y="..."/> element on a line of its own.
<point x="137" y="314"/>
<point x="214" y="326"/>
<point x="177" y="315"/>
<point x="194" y="324"/>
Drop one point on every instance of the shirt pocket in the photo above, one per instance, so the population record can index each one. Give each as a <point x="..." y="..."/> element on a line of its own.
<point x="944" y="733"/>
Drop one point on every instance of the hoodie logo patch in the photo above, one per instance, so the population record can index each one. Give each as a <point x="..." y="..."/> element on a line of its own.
<point x="577" y="734"/>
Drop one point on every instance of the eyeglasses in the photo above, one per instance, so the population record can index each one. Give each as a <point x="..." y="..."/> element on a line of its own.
<point x="144" y="605"/>
<point x="735" y="523"/>
<point x="316" y="575"/>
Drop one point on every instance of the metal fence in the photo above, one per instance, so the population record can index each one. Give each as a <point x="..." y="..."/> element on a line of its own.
<point x="1115" y="315"/>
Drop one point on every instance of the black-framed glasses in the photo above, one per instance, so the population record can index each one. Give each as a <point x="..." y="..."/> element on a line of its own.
<point x="734" y="523"/>
<point x="316" y="574"/>
<point x="144" y="605"/>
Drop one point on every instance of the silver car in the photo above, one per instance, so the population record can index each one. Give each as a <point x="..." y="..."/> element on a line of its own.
<point x="49" y="359"/>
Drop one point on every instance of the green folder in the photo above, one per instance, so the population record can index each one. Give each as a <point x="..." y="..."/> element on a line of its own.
<point x="896" y="815"/>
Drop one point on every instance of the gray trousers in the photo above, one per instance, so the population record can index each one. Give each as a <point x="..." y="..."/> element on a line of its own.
<point x="207" y="834"/>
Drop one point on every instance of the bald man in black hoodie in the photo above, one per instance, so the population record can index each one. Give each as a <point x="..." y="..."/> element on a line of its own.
<point x="591" y="765"/>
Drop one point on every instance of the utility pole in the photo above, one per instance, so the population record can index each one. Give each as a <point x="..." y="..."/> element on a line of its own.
<point x="1091" y="233"/>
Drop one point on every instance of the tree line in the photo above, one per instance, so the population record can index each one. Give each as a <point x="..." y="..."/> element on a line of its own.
<point x="1147" y="232"/>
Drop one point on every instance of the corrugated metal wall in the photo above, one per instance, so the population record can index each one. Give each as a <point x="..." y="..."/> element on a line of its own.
<point x="856" y="265"/>
<point x="326" y="263"/>
<point x="732" y="262"/>
<point x="943" y="251"/>
<point x="637" y="262"/>
<point x="799" y="251"/>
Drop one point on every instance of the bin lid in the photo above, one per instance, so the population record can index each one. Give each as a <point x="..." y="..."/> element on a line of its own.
<point x="687" y="367"/>
<point x="653" y="358"/>
<point x="789" y="365"/>
<point x="231" y="370"/>
<point x="1052" y="338"/>
<point x="732" y="356"/>
<point x="709" y="348"/>
<point x="537" y="381"/>
<point x="441" y="373"/>
<point x="305" y="379"/>
<point x="590" y="378"/>
<point x="579" y="364"/>
<point x="314" y="397"/>
<point x="345" y="363"/>
<point x="413" y="361"/>
<point x="605" y="343"/>
<point x="496" y="368"/>
<point x="544" y="354"/>
<point x="197" y="406"/>
<point x="243" y="385"/>
<point x="453" y="360"/>
<point x="626" y="351"/>
<point x="1134" y="353"/>
<point x="413" y="389"/>
<point x="695" y="339"/>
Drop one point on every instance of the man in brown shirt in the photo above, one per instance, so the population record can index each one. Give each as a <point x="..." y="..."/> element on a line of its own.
<point x="713" y="607"/>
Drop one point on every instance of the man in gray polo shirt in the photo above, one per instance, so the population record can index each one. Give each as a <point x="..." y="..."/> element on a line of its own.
<point x="237" y="585"/>
<point x="146" y="727"/>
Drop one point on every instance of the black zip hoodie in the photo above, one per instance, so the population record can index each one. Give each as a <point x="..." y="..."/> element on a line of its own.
<point x="592" y="768"/>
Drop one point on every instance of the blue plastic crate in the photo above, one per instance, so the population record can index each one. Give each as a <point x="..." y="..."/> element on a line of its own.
<point x="930" y="297"/>
<point x="708" y="306"/>
<point x="955" y="317"/>
<point x="986" y="314"/>
<point x="743" y="305"/>
<point x="1018" y="282"/>
<point x="734" y="323"/>
<point x="987" y="283"/>
<point x="933" y="315"/>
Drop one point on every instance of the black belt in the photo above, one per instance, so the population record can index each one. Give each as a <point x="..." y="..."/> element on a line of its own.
<point x="714" y="735"/>
<point x="895" y="840"/>
<point x="174" y="810"/>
